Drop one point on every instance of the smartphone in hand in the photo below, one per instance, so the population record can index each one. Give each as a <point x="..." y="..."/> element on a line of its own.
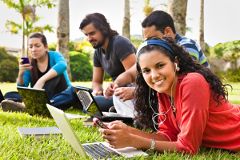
<point x="25" y="60"/>
<point x="99" y="123"/>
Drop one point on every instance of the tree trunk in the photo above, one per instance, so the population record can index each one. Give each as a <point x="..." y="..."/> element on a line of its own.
<point x="23" y="40"/>
<point x="177" y="9"/>
<point x="126" y="20"/>
<point x="63" y="32"/>
<point x="201" y="27"/>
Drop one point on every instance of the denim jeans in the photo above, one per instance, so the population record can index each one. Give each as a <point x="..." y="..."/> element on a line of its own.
<point x="68" y="98"/>
<point x="65" y="99"/>
<point x="53" y="86"/>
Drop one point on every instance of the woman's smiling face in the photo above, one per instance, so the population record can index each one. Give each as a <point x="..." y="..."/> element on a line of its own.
<point x="157" y="70"/>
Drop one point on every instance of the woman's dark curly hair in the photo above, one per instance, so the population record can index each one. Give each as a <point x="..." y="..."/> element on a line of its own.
<point x="186" y="65"/>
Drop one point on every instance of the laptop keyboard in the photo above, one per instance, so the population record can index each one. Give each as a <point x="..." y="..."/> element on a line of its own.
<point x="98" y="150"/>
<point x="85" y="98"/>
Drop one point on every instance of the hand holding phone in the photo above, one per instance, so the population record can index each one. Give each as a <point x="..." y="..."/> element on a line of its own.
<point x="25" y="60"/>
<point x="99" y="123"/>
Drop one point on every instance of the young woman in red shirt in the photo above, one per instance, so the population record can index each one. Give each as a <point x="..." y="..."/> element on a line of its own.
<point x="182" y="100"/>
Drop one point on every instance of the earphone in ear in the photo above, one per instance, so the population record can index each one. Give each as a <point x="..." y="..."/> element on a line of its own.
<point x="177" y="68"/>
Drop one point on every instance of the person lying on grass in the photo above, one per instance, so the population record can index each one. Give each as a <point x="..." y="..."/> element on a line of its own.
<point x="192" y="107"/>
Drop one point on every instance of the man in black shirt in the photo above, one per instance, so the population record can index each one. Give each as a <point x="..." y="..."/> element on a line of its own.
<point x="113" y="54"/>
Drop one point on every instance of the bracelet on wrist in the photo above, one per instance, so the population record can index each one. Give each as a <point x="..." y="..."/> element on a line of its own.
<point x="152" y="148"/>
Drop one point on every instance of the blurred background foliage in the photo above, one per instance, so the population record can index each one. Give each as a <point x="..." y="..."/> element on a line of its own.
<point x="81" y="68"/>
<point x="229" y="51"/>
<point x="8" y="66"/>
<point x="81" y="60"/>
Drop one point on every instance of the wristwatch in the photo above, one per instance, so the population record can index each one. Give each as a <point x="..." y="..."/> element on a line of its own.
<point x="152" y="148"/>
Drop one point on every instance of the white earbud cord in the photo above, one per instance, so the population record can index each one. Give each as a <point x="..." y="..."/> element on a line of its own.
<point x="161" y="114"/>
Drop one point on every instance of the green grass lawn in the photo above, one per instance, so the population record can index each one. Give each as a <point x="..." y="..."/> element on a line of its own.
<point x="12" y="146"/>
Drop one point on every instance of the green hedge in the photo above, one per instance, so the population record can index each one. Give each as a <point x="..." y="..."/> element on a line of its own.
<point x="8" y="66"/>
<point x="229" y="51"/>
<point x="229" y="76"/>
<point x="81" y="68"/>
<point x="53" y="46"/>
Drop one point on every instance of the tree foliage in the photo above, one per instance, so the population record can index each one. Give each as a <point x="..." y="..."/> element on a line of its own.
<point x="207" y="50"/>
<point x="229" y="76"/>
<point x="136" y="41"/>
<point x="28" y="14"/>
<point x="84" y="47"/>
<point x="15" y="28"/>
<point x="229" y="51"/>
<point x="71" y="46"/>
<point x="147" y="9"/>
<point x="81" y="68"/>
<point x="52" y="47"/>
<point x="8" y="66"/>
<point x="80" y="54"/>
<point x="29" y="17"/>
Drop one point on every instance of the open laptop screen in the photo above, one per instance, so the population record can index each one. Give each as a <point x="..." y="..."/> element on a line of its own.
<point x="88" y="102"/>
<point x="1" y="96"/>
<point x="35" y="101"/>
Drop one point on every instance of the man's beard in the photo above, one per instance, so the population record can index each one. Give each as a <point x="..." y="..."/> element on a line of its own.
<point x="100" y="43"/>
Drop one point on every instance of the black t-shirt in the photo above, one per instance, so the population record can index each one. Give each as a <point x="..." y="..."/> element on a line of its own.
<point x="40" y="74"/>
<point x="118" y="49"/>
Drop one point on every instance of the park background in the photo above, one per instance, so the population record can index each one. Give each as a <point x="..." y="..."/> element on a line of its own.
<point x="221" y="25"/>
<point x="220" y="32"/>
<point x="221" y="18"/>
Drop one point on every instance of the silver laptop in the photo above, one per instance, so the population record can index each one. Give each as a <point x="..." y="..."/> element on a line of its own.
<point x="88" y="102"/>
<point x="96" y="150"/>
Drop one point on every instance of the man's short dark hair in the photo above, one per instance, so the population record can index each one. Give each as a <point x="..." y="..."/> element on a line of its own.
<point x="100" y="22"/>
<point x="160" y="20"/>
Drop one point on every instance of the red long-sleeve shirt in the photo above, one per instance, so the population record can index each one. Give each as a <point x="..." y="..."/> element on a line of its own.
<point x="198" y="121"/>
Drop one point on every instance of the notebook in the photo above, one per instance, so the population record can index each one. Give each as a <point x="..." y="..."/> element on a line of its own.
<point x="35" y="101"/>
<point x="39" y="132"/>
<point x="88" y="102"/>
<point x="97" y="150"/>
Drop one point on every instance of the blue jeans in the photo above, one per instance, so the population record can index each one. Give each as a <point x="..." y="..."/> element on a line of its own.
<point x="68" y="98"/>
<point x="52" y="87"/>
<point x="65" y="99"/>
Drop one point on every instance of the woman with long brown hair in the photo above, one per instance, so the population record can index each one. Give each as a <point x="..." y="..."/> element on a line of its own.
<point x="47" y="70"/>
<point x="182" y="100"/>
